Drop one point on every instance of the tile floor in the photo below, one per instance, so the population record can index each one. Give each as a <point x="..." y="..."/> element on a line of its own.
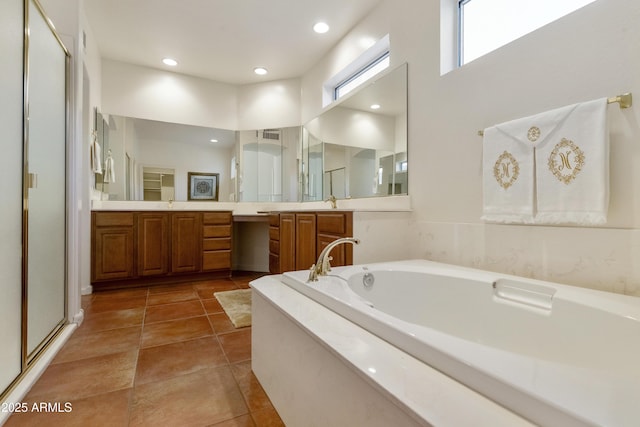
<point x="159" y="356"/>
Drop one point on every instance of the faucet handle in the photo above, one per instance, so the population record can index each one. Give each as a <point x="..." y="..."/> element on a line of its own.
<point x="313" y="274"/>
<point x="332" y="199"/>
<point x="326" y="264"/>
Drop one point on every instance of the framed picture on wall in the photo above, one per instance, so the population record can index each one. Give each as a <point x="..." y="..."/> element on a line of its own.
<point x="203" y="186"/>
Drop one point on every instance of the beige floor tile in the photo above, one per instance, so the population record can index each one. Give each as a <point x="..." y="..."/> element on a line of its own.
<point x="178" y="310"/>
<point x="161" y="333"/>
<point x="167" y="361"/>
<point x="111" y="320"/>
<point x="236" y="345"/>
<point x="86" y="377"/>
<point x="83" y="346"/>
<point x="174" y="296"/>
<point x="201" y="398"/>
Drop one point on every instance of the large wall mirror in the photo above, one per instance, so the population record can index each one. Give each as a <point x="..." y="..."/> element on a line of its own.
<point x="149" y="160"/>
<point x="349" y="151"/>
<point x="358" y="147"/>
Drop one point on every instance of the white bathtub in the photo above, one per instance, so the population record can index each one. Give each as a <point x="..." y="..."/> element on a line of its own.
<point x="554" y="354"/>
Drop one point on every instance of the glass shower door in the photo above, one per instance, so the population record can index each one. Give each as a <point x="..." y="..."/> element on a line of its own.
<point x="45" y="176"/>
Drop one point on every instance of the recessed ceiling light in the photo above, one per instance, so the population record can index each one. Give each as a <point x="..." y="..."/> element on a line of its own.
<point x="261" y="71"/>
<point x="321" y="27"/>
<point x="170" y="62"/>
<point x="213" y="140"/>
<point x="375" y="106"/>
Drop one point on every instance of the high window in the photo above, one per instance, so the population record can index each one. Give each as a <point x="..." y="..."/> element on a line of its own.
<point x="485" y="25"/>
<point x="372" y="61"/>
<point x="361" y="76"/>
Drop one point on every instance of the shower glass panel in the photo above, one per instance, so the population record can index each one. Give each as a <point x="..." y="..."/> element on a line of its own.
<point x="11" y="45"/>
<point x="46" y="160"/>
<point x="267" y="163"/>
<point x="312" y="174"/>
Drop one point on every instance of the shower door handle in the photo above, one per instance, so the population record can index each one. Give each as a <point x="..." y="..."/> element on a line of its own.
<point x="32" y="180"/>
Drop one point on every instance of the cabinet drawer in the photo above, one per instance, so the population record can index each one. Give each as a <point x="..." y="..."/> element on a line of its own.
<point x="216" y="244"/>
<point x="274" y="264"/>
<point x="274" y="247"/>
<point x="216" y="231"/>
<point x="334" y="223"/>
<point x="216" y="218"/>
<point x="216" y="260"/>
<point x="274" y="233"/>
<point x="274" y="219"/>
<point x="107" y="219"/>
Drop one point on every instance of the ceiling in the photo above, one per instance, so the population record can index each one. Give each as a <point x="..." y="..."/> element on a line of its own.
<point x="223" y="40"/>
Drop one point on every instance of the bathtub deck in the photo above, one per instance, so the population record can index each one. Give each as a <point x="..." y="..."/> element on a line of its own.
<point x="402" y="387"/>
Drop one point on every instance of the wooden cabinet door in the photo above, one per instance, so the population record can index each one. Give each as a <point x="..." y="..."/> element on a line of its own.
<point x="332" y="226"/>
<point x="287" y="247"/>
<point x="153" y="243"/>
<point x="186" y="242"/>
<point x="305" y="240"/>
<point x="113" y="253"/>
<point x="338" y="253"/>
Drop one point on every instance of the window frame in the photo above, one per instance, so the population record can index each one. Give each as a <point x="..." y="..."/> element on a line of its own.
<point x="386" y="55"/>
<point x="460" y="32"/>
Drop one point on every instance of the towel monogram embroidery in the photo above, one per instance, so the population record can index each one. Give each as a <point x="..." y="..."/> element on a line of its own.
<point x="533" y="134"/>
<point x="566" y="160"/>
<point x="506" y="170"/>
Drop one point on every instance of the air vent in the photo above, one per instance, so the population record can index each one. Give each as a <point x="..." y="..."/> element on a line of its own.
<point x="271" y="134"/>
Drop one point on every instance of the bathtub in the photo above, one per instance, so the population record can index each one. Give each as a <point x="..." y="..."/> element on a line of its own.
<point x="551" y="353"/>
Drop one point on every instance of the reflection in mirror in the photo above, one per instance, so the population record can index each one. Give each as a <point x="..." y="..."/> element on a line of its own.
<point x="311" y="174"/>
<point x="152" y="159"/>
<point x="354" y="150"/>
<point x="101" y="151"/>
<point x="267" y="165"/>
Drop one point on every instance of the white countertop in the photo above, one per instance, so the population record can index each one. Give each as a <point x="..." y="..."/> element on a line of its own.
<point x="372" y="204"/>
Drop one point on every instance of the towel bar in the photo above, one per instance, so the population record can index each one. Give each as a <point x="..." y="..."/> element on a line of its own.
<point x="625" y="100"/>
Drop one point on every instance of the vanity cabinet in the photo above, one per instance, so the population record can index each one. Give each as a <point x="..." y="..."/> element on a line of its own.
<point x="216" y="240"/>
<point x="153" y="243"/>
<point x="296" y="239"/>
<point x="305" y="240"/>
<point x="186" y="242"/>
<point x="148" y="247"/>
<point x="332" y="226"/>
<point x="113" y="246"/>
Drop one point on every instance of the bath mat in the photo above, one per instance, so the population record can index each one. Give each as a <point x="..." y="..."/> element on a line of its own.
<point x="237" y="305"/>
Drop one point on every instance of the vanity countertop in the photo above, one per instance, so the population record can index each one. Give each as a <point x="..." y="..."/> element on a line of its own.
<point x="373" y="204"/>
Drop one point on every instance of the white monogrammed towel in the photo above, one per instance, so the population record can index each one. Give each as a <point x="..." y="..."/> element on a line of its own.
<point x="572" y="168"/>
<point x="507" y="178"/>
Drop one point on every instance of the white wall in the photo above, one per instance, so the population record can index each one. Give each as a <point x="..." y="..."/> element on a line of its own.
<point x="268" y="105"/>
<point x="146" y="93"/>
<point x="589" y="54"/>
<point x="186" y="158"/>
<point x="354" y="128"/>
